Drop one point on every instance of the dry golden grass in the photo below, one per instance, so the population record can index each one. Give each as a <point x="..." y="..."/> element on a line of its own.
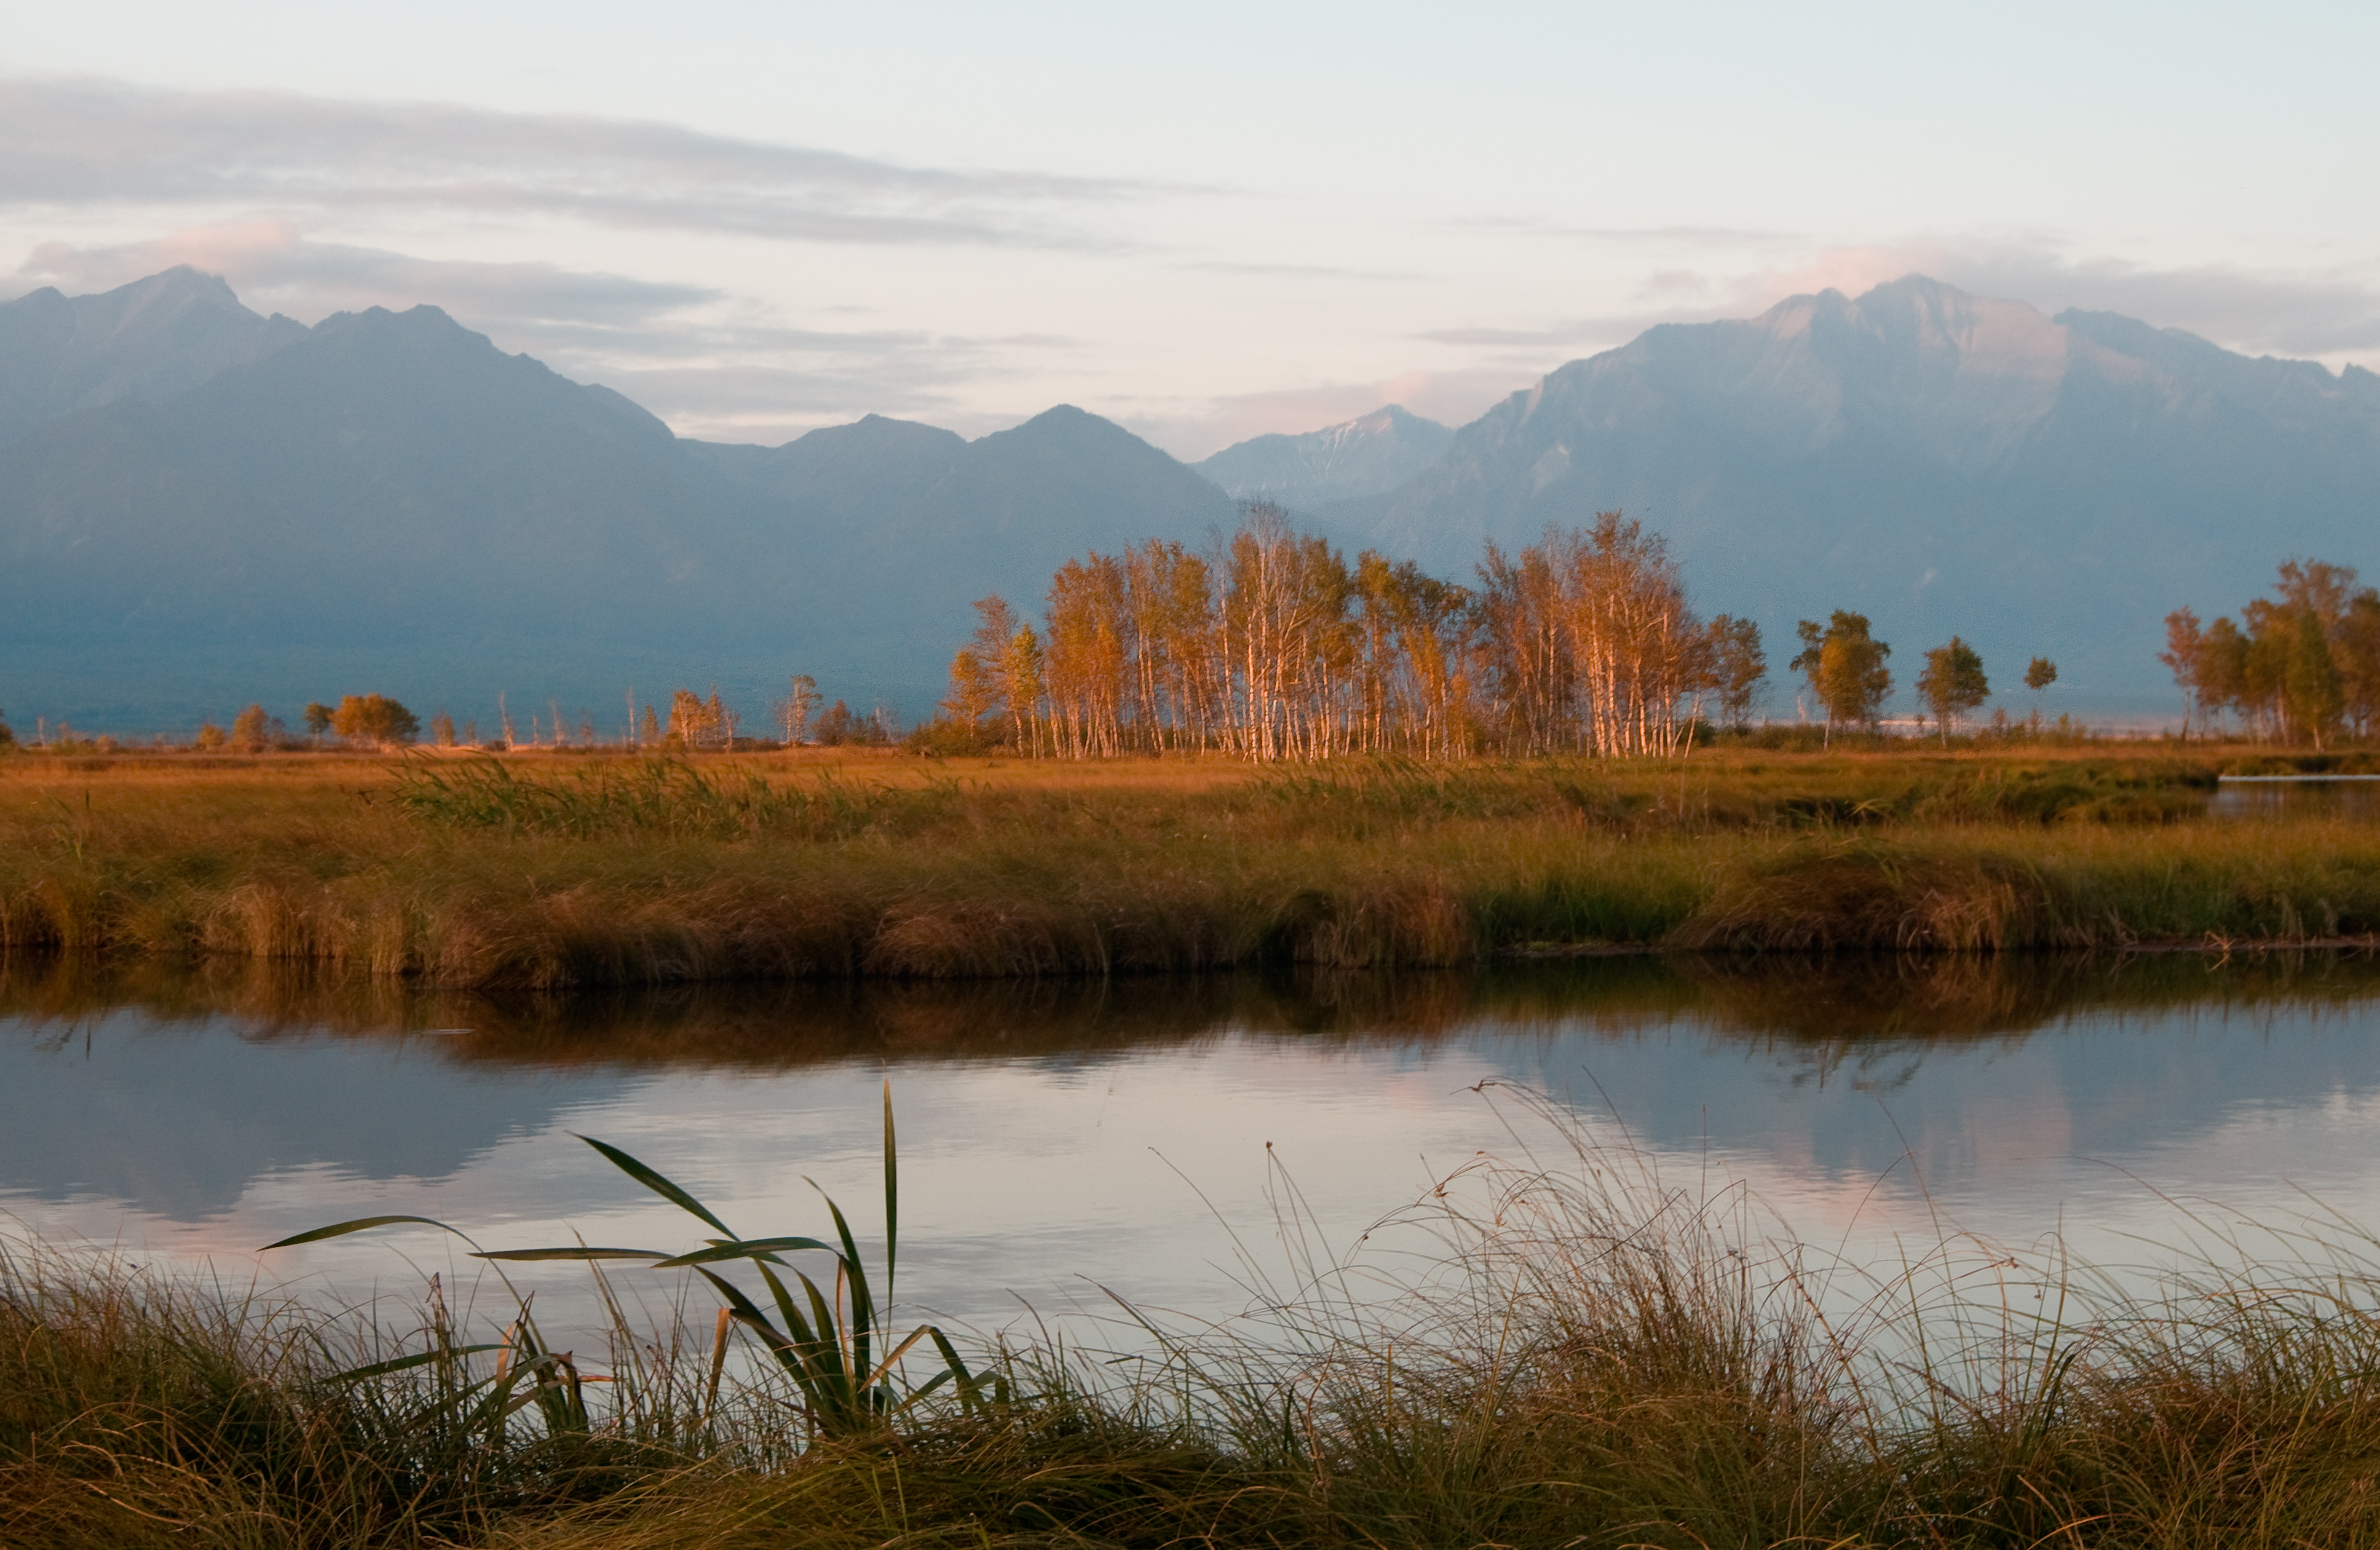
<point x="1584" y="1355"/>
<point x="552" y="871"/>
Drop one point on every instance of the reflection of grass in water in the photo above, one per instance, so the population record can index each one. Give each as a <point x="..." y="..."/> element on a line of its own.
<point x="1567" y="1350"/>
<point x="1821" y="1000"/>
<point x="597" y="872"/>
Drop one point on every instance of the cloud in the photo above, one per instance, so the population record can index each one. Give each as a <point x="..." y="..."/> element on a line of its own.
<point x="2326" y="314"/>
<point x="1625" y="236"/>
<point x="74" y="143"/>
<point x="273" y="265"/>
<point x="710" y="364"/>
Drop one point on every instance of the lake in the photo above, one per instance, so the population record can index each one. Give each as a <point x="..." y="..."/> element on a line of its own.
<point x="1168" y="1140"/>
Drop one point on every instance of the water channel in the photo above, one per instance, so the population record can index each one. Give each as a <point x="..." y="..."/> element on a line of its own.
<point x="1060" y="1141"/>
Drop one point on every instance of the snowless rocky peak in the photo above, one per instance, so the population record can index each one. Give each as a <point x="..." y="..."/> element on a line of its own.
<point x="151" y="339"/>
<point x="1966" y="376"/>
<point x="1369" y="455"/>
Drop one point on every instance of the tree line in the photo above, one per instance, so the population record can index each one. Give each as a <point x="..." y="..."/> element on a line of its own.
<point x="1274" y="647"/>
<point x="2302" y="666"/>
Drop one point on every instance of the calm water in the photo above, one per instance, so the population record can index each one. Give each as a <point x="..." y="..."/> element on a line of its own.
<point x="2356" y="797"/>
<point x="1057" y="1139"/>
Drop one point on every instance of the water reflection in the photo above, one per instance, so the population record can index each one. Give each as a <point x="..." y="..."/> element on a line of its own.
<point x="2335" y="796"/>
<point x="1056" y="1130"/>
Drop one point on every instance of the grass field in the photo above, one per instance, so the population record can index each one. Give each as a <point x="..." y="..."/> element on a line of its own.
<point x="555" y="871"/>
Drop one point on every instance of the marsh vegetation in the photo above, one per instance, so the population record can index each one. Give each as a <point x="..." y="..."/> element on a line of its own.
<point x="594" y="871"/>
<point x="1571" y="1349"/>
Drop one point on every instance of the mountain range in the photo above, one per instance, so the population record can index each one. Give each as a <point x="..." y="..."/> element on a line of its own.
<point x="200" y="506"/>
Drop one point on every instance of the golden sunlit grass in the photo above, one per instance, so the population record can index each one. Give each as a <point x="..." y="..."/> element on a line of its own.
<point x="558" y="871"/>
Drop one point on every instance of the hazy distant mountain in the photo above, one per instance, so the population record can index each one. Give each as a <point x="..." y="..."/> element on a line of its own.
<point x="151" y="339"/>
<point x="1367" y="456"/>
<point x="888" y="530"/>
<point x="390" y="500"/>
<point x="1942" y="461"/>
<point x="859" y="471"/>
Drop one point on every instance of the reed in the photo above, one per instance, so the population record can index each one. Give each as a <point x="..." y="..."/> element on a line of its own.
<point x="1571" y="1349"/>
<point x="585" y="872"/>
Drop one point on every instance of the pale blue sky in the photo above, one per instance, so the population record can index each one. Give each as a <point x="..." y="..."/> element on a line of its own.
<point x="1203" y="221"/>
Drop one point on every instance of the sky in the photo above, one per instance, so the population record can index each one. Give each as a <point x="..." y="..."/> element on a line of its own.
<point x="1206" y="223"/>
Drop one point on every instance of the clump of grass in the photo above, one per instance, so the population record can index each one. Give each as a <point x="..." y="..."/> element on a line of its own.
<point x="660" y="798"/>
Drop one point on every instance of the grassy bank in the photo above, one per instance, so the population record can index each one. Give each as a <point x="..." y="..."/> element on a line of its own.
<point x="558" y="872"/>
<point x="1586" y="1356"/>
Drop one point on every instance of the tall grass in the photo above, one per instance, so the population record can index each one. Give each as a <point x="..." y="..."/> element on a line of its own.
<point x="1563" y="1348"/>
<point x="477" y="875"/>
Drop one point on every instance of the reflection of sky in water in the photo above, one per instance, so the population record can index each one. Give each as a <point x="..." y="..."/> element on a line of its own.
<point x="1043" y="1174"/>
<point x="2357" y="798"/>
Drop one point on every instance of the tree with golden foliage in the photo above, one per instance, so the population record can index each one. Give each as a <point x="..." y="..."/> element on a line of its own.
<point x="374" y="721"/>
<point x="1844" y="666"/>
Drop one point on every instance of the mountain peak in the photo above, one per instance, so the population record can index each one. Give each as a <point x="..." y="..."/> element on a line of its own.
<point x="162" y="335"/>
<point x="1368" y="455"/>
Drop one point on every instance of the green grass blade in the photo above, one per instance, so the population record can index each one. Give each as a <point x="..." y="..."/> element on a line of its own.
<point x="656" y="1183"/>
<point x="970" y="1387"/>
<point x="745" y="1311"/>
<point x="362" y="1224"/>
<point x="786" y="1310"/>
<point x="748" y="1248"/>
<point x="827" y="1351"/>
<point x="572" y="1254"/>
<point x="863" y="1307"/>
<point x="891" y="1195"/>
<point x="403" y="1363"/>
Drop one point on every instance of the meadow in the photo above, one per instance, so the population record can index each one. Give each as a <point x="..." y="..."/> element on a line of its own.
<point x="577" y="870"/>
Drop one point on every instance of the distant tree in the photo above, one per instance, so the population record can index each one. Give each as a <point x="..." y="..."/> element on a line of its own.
<point x="2039" y="675"/>
<point x="975" y="690"/>
<point x="375" y="720"/>
<point x="7" y="738"/>
<point x="1953" y="683"/>
<point x="2355" y="644"/>
<point x="318" y="720"/>
<point x="251" y="730"/>
<point x="718" y="722"/>
<point x="689" y="718"/>
<point x="835" y="728"/>
<point x="2185" y="654"/>
<point x="652" y="731"/>
<point x="793" y="711"/>
<point x="1844" y="665"/>
<point x="1738" y="665"/>
<point x="442" y="729"/>
<point x="1020" y="686"/>
<point x="211" y="737"/>
<point x="978" y="681"/>
<point x="2311" y="692"/>
<point x="2223" y="667"/>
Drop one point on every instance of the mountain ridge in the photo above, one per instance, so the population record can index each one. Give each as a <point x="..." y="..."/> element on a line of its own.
<point x="391" y="487"/>
<point x="1369" y="455"/>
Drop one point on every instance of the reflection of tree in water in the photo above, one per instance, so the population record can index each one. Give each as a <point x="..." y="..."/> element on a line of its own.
<point x="1855" y="1008"/>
